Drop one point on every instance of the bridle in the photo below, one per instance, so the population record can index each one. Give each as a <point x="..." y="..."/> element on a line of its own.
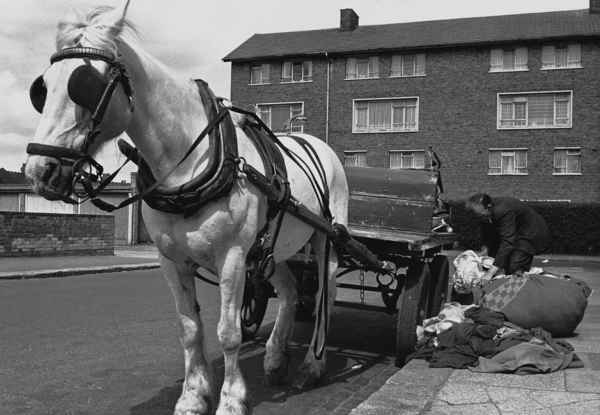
<point x="92" y="90"/>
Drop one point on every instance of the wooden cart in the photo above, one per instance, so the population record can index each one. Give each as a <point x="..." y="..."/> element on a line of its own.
<point x="392" y="213"/>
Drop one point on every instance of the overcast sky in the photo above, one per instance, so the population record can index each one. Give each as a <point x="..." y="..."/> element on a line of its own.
<point x="192" y="36"/>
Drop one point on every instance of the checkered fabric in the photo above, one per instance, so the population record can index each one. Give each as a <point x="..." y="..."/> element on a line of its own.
<point x="501" y="296"/>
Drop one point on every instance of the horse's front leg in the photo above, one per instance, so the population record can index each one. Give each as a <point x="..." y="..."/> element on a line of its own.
<point x="232" y="274"/>
<point x="313" y="368"/>
<point x="196" y="396"/>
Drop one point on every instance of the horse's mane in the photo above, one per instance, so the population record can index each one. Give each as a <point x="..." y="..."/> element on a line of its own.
<point x="92" y="30"/>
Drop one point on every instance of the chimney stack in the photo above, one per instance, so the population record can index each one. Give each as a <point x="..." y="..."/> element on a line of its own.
<point x="349" y="20"/>
<point x="594" y="6"/>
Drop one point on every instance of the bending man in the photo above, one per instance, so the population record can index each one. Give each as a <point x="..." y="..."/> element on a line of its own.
<point x="512" y="232"/>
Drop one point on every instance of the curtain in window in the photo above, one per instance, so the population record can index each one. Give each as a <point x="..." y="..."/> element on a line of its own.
<point x="286" y="72"/>
<point x="411" y="117"/>
<point x="540" y="110"/>
<point x="573" y="161"/>
<point x="351" y="68"/>
<point x="560" y="57"/>
<point x="408" y="65"/>
<point x="264" y="112"/>
<point x="495" y="163"/>
<point x="361" y="114"/>
<point x="373" y="67"/>
<point x="560" y="161"/>
<point x="307" y="70"/>
<point x="562" y="111"/>
<point x="420" y="64"/>
<point x="255" y="74"/>
<point x="508" y="60"/>
<point x="508" y="162"/>
<point x="297" y="71"/>
<point x="547" y="56"/>
<point x="355" y="159"/>
<point x="574" y="55"/>
<point x="419" y="160"/>
<point x="520" y="161"/>
<point x="521" y="58"/>
<point x="266" y="73"/>
<point x="380" y="115"/>
<point x="396" y="69"/>
<point x="395" y="160"/>
<point x="496" y="58"/>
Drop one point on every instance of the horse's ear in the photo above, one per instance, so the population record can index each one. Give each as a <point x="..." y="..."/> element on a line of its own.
<point x="115" y="18"/>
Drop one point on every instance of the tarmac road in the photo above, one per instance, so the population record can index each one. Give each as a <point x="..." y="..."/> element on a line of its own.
<point x="107" y="344"/>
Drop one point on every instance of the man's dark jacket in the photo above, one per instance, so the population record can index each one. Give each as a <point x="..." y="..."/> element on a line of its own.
<point x="514" y="225"/>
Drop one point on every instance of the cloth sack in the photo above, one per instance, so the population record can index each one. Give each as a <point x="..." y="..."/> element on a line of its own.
<point x="556" y="304"/>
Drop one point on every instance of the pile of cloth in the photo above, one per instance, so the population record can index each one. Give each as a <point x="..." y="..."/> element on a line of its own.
<point x="482" y="340"/>
<point x="533" y="299"/>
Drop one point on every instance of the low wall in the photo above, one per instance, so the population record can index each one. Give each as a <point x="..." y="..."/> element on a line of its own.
<point x="44" y="234"/>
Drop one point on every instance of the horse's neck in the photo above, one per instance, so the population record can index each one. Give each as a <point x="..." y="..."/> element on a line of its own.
<point x="168" y="116"/>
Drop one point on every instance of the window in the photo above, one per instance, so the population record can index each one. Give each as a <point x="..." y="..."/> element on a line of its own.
<point x="567" y="161"/>
<point x="277" y="116"/>
<point x="385" y="115"/>
<point x="362" y="68"/>
<point x="561" y="56"/>
<point x="296" y="71"/>
<point x="413" y="159"/>
<point x="508" y="60"/>
<point x="260" y="74"/>
<point x="408" y="65"/>
<point x="507" y="161"/>
<point x="355" y="158"/>
<point x="535" y="110"/>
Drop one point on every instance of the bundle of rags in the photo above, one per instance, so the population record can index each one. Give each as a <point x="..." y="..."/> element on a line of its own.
<point x="534" y="299"/>
<point x="481" y="339"/>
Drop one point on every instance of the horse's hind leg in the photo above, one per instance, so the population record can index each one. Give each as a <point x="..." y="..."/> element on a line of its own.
<point x="196" y="396"/>
<point x="232" y="274"/>
<point x="276" y="356"/>
<point x="312" y="369"/>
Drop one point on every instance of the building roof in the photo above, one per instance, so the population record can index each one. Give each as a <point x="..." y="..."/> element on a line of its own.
<point x="421" y="35"/>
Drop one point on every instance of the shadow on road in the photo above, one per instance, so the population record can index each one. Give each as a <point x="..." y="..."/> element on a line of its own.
<point x="358" y="341"/>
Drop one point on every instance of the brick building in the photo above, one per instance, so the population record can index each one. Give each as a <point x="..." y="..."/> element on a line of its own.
<point x="510" y="103"/>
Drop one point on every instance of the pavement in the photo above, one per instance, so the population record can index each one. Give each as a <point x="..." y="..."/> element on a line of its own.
<point x="416" y="388"/>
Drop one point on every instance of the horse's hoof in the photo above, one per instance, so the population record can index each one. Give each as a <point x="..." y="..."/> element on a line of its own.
<point x="233" y="407"/>
<point x="199" y="407"/>
<point x="276" y="376"/>
<point x="306" y="378"/>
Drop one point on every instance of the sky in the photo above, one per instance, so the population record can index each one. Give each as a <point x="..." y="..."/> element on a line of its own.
<point x="192" y="37"/>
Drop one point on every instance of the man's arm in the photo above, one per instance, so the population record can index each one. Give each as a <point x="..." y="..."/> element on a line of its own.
<point x="506" y="227"/>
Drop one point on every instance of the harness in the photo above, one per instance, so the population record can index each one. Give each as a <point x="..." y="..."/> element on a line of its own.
<point x="89" y="89"/>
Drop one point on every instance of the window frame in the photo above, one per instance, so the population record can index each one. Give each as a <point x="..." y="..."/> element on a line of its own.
<point x="561" y="45"/>
<point x="368" y="59"/>
<point x="262" y="82"/>
<point x="500" y="95"/>
<point x="355" y="152"/>
<point x="413" y="160"/>
<point x="506" y="150"/>
<point x="579" y="173"/>
<point x="402" y="56"/>
<point x="514" y="68"/>
<point x="297" y="61"/>
<point x="391" y="130"/>
<point x="270" y="104"/>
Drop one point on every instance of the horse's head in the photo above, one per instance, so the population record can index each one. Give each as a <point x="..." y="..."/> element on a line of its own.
<point x="84" y="98"/>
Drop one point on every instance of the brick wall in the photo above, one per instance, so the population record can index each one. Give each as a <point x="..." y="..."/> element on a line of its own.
<point x="40" y="234"/>
<point x="457" y="116"/>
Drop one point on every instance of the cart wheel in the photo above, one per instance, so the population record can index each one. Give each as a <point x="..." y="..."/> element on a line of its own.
<point x="254" y="306"/>
<point x="412" y="308"/>
<point x="439" y="294"/>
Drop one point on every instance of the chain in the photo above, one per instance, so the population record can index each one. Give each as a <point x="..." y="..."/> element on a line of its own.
<point x="362" y="286"/>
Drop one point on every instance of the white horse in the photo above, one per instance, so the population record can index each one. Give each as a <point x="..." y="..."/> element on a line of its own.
<point x="167" y="118"/>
